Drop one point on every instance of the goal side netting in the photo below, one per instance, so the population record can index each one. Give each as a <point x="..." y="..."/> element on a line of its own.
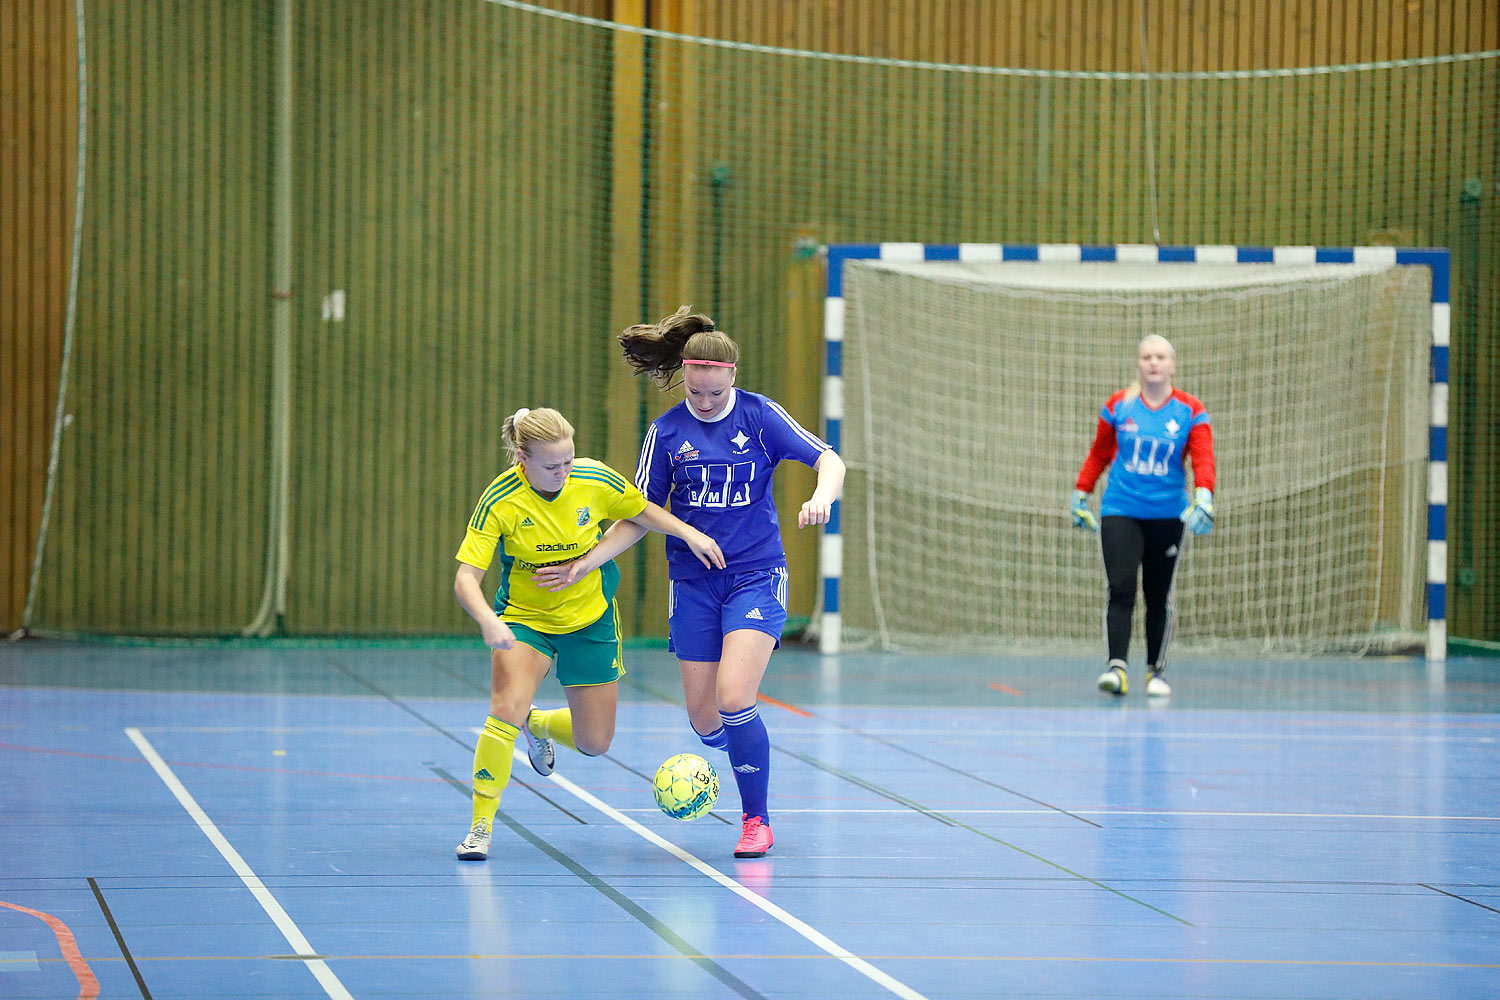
<point x="972" y="394"/>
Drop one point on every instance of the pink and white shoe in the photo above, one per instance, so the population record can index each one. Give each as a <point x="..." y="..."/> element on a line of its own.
<point x="755" y="838"/>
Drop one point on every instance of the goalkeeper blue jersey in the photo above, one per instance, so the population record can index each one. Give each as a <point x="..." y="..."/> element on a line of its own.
<point x="1147" y="478"/>
<point x="717" y="476"/>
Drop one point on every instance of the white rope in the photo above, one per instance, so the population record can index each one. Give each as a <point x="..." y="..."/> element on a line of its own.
<point x="1056" y="74"/>
<point x="59" y="416"/>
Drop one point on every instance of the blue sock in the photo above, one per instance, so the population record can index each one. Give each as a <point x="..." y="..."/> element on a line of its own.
<point x="750" y="756"/>
<point x="716" y="740"/>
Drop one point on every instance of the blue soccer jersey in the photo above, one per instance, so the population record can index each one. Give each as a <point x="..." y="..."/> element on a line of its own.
<point x="1147" y="478"/>
<point x="717" y="475"/>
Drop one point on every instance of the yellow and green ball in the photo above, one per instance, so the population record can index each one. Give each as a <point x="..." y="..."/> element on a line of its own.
<point x="686" y="786"/>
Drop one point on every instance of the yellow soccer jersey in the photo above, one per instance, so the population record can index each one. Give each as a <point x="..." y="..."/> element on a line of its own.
<point x="539" y="532"/>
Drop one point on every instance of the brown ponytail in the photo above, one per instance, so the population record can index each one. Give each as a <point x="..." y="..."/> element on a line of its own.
<point x="658" y="349"/>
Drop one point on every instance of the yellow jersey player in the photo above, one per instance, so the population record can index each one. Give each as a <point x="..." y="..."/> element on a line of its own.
<point x="548" y="508"/>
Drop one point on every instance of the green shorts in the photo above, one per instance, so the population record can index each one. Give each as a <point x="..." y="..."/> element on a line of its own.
<point x="592" y="655"/>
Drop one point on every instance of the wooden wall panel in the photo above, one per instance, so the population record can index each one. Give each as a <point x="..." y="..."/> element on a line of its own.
<point x="544" y="187"/>
<point x="38" y="149"/>
<point x="1184" y="35"/>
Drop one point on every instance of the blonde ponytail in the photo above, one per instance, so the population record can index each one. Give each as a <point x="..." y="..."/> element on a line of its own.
<point x="524" y="427"/>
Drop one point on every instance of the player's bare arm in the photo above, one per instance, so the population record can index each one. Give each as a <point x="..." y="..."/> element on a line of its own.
<point x="819" y="507"/>
<point x="470" y="594"/>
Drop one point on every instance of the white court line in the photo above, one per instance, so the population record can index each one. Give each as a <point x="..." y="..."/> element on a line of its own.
<point x="816" y="937"/>
<point x="1229" y="813"/>
<point x="300" y="946"/>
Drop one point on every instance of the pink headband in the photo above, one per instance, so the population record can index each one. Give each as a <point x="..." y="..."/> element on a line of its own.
<point x="716" y="364"/>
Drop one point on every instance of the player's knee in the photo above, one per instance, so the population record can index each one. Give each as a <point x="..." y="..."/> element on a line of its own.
<point x="594" y="744"/>
<point x="507" y="710"/>
<point x="735" y="695"/>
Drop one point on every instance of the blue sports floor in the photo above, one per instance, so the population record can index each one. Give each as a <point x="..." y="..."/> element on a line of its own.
<point x="279" y="821"/>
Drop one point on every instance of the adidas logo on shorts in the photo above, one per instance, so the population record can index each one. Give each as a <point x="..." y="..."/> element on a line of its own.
<point x="754" y="613"/>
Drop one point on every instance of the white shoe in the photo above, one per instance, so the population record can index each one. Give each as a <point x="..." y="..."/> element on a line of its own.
<point x="540" y="751"/>
<point x="1114" y="680"/>
<point x="476" y="846"/>
<point x="1157" y="686"/>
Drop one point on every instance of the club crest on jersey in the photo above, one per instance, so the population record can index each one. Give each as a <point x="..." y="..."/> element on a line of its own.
<point x="739" y="442"/>
<point x="583" y="516"/>
<point x="1172" y="427"/>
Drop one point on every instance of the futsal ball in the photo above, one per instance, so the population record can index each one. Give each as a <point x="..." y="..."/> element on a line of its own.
<point x="686" y="786"/>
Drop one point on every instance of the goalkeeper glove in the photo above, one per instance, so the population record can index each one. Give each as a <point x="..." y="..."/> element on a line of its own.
<point x="1199" y="516"/>
<point x="1082" y="516"/>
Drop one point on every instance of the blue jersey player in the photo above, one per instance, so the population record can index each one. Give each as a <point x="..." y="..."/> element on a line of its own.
<point x="709" y="459"/>
<point x="1144" y="434"/>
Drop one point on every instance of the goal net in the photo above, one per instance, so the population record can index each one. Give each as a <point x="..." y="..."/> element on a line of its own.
<point x="972" y="393"/>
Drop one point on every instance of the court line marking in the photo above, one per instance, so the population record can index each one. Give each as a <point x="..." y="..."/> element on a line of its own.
<point x="67" y="945"/>
<point x="114" y="928"/>
<point x="786" y="705"/>
<point x="1224" y="814"/>
<point x="1461" y="899"/>
<point x="742" y="956"/>
<point x="643" y="916"/>
<point x="1050" y="810"/>
<point x="817" y="937"/>
<point x="950" y="821"/>
<point x="901" y="748"/>
<point x="300" y="946"/>
<point x="371" y="686"/>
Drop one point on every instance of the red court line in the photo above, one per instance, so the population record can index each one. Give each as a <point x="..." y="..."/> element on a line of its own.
<point x="88" y="986"/>
<point x="1007" y="690"/>
<point x="781" y="704"/>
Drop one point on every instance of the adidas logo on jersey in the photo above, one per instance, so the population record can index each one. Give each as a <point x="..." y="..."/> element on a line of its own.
<point x="526" y="523"/>
<point x="687" y="446"/>
<point x="755" y="615"/>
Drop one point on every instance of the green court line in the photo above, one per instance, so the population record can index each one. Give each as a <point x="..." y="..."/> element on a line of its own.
<point x="646" y="919"/>
<point x="934" y="814"/>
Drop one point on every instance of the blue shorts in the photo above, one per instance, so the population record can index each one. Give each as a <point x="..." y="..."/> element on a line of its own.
<point x="703" y="610"/>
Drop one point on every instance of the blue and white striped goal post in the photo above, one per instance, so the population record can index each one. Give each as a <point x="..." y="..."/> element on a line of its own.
<point x="831" y="551"/>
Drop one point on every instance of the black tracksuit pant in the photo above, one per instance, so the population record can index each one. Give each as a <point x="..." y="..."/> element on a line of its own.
<point x="1148" y="547"/>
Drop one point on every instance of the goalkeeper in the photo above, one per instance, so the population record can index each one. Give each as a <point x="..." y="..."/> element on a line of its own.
<point x="1146" y="434"/>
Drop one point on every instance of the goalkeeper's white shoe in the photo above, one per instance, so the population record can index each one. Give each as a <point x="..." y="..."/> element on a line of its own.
<point x="1114" y="680"/>
<point x="476" y="846"/>
<point x="1157" y="686"/>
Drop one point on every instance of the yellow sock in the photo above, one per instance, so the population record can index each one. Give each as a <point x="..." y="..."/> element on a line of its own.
<point x="492" y="759"/>
<point x="553" y="724"/>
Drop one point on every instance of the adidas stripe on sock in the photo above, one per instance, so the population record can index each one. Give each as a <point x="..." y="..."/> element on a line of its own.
<point x="750" y="757"/>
